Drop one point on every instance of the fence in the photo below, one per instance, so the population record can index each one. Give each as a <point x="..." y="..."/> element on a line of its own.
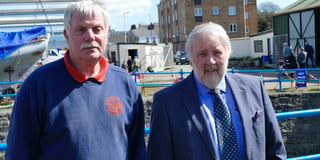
<point x="281" y="76"/>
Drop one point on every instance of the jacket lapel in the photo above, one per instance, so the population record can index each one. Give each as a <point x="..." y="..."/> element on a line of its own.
<point x="238" y="88"/>
<point x="196" y="112"/>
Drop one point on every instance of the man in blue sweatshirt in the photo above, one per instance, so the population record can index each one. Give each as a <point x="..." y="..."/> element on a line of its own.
<point x="79" y="107"/>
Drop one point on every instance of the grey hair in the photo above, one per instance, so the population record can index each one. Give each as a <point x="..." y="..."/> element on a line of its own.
<point x="85" y="8"/>
<point x="214" y="31"/>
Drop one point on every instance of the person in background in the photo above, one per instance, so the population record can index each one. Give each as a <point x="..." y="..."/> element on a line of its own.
<point x="310" y="52"/>
<point x="136" y="64"/>
<point x="286" y="51"/>
<point x="79" y="107"/>
<point x="292" y="63"/>
<point x="196" y="118"/>
<point x="302" y="56"/>
<point x="124" y="65"/>
<point x="129" y="64"/>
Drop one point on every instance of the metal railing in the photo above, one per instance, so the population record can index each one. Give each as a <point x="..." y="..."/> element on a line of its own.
<point x="137" y="76"/>
<point x="280" y="72"/>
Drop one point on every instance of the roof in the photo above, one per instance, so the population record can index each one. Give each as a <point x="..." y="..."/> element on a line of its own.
<point x="115" y="37"/>
<point x="299" y="5"/>
<point x="261" y="33"/>
<point x="144" y="31"/>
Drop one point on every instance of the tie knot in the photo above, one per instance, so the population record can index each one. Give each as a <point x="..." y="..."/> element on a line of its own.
<point x="215" y="91"/>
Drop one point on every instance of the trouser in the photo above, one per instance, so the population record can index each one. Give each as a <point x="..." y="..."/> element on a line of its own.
<point x="311" y="59"/>
<point x="302" y="65"/>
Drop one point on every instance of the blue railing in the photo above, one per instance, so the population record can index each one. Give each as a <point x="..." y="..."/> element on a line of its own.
<point x="280" y="72"/>
<point x="6" y="83"/>
<point x="282" y="115"/>
<point x="308" y="157"/>
<point x="3" y="146"/>
<point x="297" y="114"/>
<point x="181" y="73"/>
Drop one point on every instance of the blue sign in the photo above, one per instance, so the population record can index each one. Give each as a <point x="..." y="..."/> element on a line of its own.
<point x="301" y="78"/>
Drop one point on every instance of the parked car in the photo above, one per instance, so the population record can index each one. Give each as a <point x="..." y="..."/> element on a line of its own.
<point x="181" y="57"/>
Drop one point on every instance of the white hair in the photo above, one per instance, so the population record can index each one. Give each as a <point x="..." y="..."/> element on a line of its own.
<point x="214" y="31"/>
<point x="85" y="8"/>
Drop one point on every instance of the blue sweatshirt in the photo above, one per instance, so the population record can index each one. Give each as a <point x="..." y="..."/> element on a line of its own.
<point x="61" y="114"/>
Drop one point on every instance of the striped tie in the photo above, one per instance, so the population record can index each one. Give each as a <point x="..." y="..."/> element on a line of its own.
<point x="226" y="134"/>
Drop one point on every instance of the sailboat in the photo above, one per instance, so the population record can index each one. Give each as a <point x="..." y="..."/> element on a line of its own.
<point x="20" y="53"/>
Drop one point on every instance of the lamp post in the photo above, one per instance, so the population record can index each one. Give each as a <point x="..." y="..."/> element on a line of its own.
<point x="151" y="27"/>
<point x="245" y="2"/>
<point x="124" y="26"/>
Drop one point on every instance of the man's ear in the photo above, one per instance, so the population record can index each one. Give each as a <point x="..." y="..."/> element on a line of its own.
<point x="65" y="34"/>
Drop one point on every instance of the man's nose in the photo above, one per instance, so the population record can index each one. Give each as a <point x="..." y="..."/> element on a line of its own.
<point x="90" y="34"/>
<point x="211" y="59"/>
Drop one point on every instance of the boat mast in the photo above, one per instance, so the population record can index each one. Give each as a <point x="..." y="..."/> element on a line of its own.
<point x="45" y="14"/>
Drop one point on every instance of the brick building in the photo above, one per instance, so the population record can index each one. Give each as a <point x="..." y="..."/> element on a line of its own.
<point x="177" y="18"/>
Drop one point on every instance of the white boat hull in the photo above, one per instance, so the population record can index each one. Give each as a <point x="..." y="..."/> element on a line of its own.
<point x="19" y="64"/>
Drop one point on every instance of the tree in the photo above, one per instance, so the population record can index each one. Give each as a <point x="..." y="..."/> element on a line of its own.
<point x="265" y="12"/>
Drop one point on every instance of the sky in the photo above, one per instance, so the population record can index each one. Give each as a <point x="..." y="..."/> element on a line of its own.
<point x="124" y="13"/>
<point x="280" y="3"/>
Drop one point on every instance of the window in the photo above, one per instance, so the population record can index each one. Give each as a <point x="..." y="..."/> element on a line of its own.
<point x="258" y="46"/>
<point x="247" y="29"/>
<point x="198" y="14"/>
<point x="232" y="10"/>
<point x="176" y="16"/>
<point x="113" y="56"/>
<point x="198" y="19"/>
<point x="154" y="40"/>
<point x="147" y="39"/>
<point x="232" y="27"/>
<point x="197" y="1"/>
<point x="215" y="11"/>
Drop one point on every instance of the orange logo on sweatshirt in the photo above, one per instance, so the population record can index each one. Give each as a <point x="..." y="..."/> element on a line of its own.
<point x="114" y="105"/>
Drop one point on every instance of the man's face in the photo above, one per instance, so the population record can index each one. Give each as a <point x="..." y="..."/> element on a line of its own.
<point x="209" y="60"/>
<point x="87" y="38"/>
